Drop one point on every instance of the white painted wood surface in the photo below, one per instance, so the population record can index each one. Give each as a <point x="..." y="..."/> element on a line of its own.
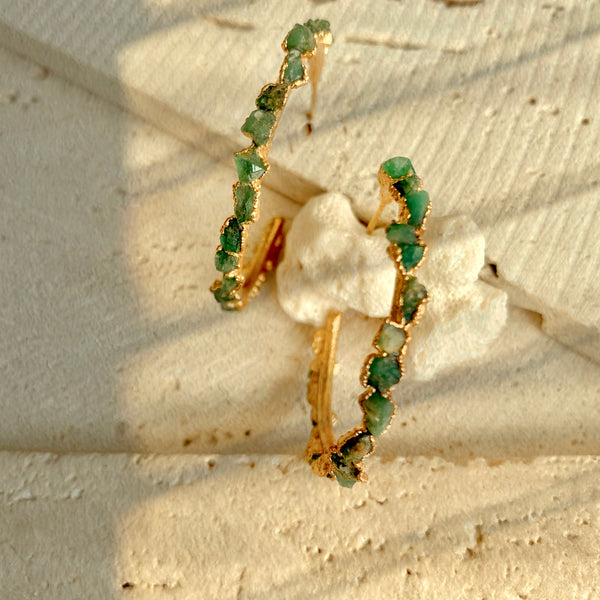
<point x="496" y="103"/>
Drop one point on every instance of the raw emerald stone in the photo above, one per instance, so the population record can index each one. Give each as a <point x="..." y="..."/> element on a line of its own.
<point x="414" y="292"/>
<point x="258" y="125"/>
<point x="244" y="202"/>
<point x="378" y="413"/>
<point x="300" y="38"/>
<point x="223" y="293"/>
<point x="231" y="238"/>
<point x="294" y="69"/>
<point x="249" y="165"/>
<point x="345" y="478"/>
<point x="408" y="186"/>
<point x="411" y="255"/>
<point x="225" y="262"/>
<point x="417" y="203"/>
<point x="345" y="472"/>
<point x="229" y="284"/>
<point x="384" y="372"/>
<point x="401" y="234"/>
<point x="318" y="25"/>
<point x="397" y="167"/>
<point x="391" y="339"/>
<point x="272" y="97"/>
<point x="357" y="447"/>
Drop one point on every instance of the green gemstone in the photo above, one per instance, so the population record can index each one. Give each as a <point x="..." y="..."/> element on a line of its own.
<point x="346" y="473"/>
<point x="414" y="292"/>
<point x="249" y="165"/>
<point x="397" y="167"/>
<point x="223" y="293"/>
<point x="220" y="296"/>
<point x="391" y="339"/>
<point x="258" y="125"/>
<point x="356" y="448"/>
<point x="408" y="186"/>
<point x="229" y="284"/>
<point x="401" y="234"/>
<point x="225" y="262"/>
<point x="378" y="413"/>
<point x="411" y="255"/>
<point x="300" y="38"/>
<point x="231" y="238"/>
<point x="244" y="202"/>
<point x="384" y="372"/>
<point x="345" y="479"/>
<point x="272" y="97"/>
<point x="318" y="25"/>
<point x="417" y="203"/>
<point x="294" y="68"/>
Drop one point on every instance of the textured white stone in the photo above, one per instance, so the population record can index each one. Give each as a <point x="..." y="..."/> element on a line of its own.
<point x="111" y="342"/>
<point x="332" y="264"/>
<point x="496" y="104"/>
<point x="241" y="527"/>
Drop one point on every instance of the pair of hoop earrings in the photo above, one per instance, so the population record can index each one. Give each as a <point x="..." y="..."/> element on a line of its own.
<point x="306" y="47"/>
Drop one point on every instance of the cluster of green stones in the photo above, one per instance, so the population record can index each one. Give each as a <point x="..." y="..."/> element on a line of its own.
<point x="251" y="163"/>
<point x="383" y="369"/>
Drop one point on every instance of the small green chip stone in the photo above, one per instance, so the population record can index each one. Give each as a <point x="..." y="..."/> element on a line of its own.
<point x="384" y="372"/>
<point x="300" y="38"/>
<point x="258" y="125"/>
<point x="294" y="68"/>
<point x="344" y="478"/>
<point x="417" y="203"/>
<point x="223" y="293"/>
<point x="357" y="447"/>
<point x="225" y="262"/>
<point x="411" y="256"/>
<point x="231" y="238"/>
<point x="397" y="167"/>
<point x="391" y="339"/>
<point x="272" y="97"/>
<point x="401" y="234"/>
<point x="221" y="296"/>
<point x="249" y="165"/>
<point x="345" y="472"/>
<point x="318" y="25"/>
<point x="414" y="292"/>
<point x="408" y="186"/>
<point x="378" y="413"/>
<point x="244" y="202"/>
<point x="229" y="284"/>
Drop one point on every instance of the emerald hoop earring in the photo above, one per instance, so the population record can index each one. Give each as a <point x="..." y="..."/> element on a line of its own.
<point x="382" y="370"/>
<point x="306" y="47"/>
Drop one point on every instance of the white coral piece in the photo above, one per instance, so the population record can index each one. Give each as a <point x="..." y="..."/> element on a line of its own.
<point x="332" y="264"/>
